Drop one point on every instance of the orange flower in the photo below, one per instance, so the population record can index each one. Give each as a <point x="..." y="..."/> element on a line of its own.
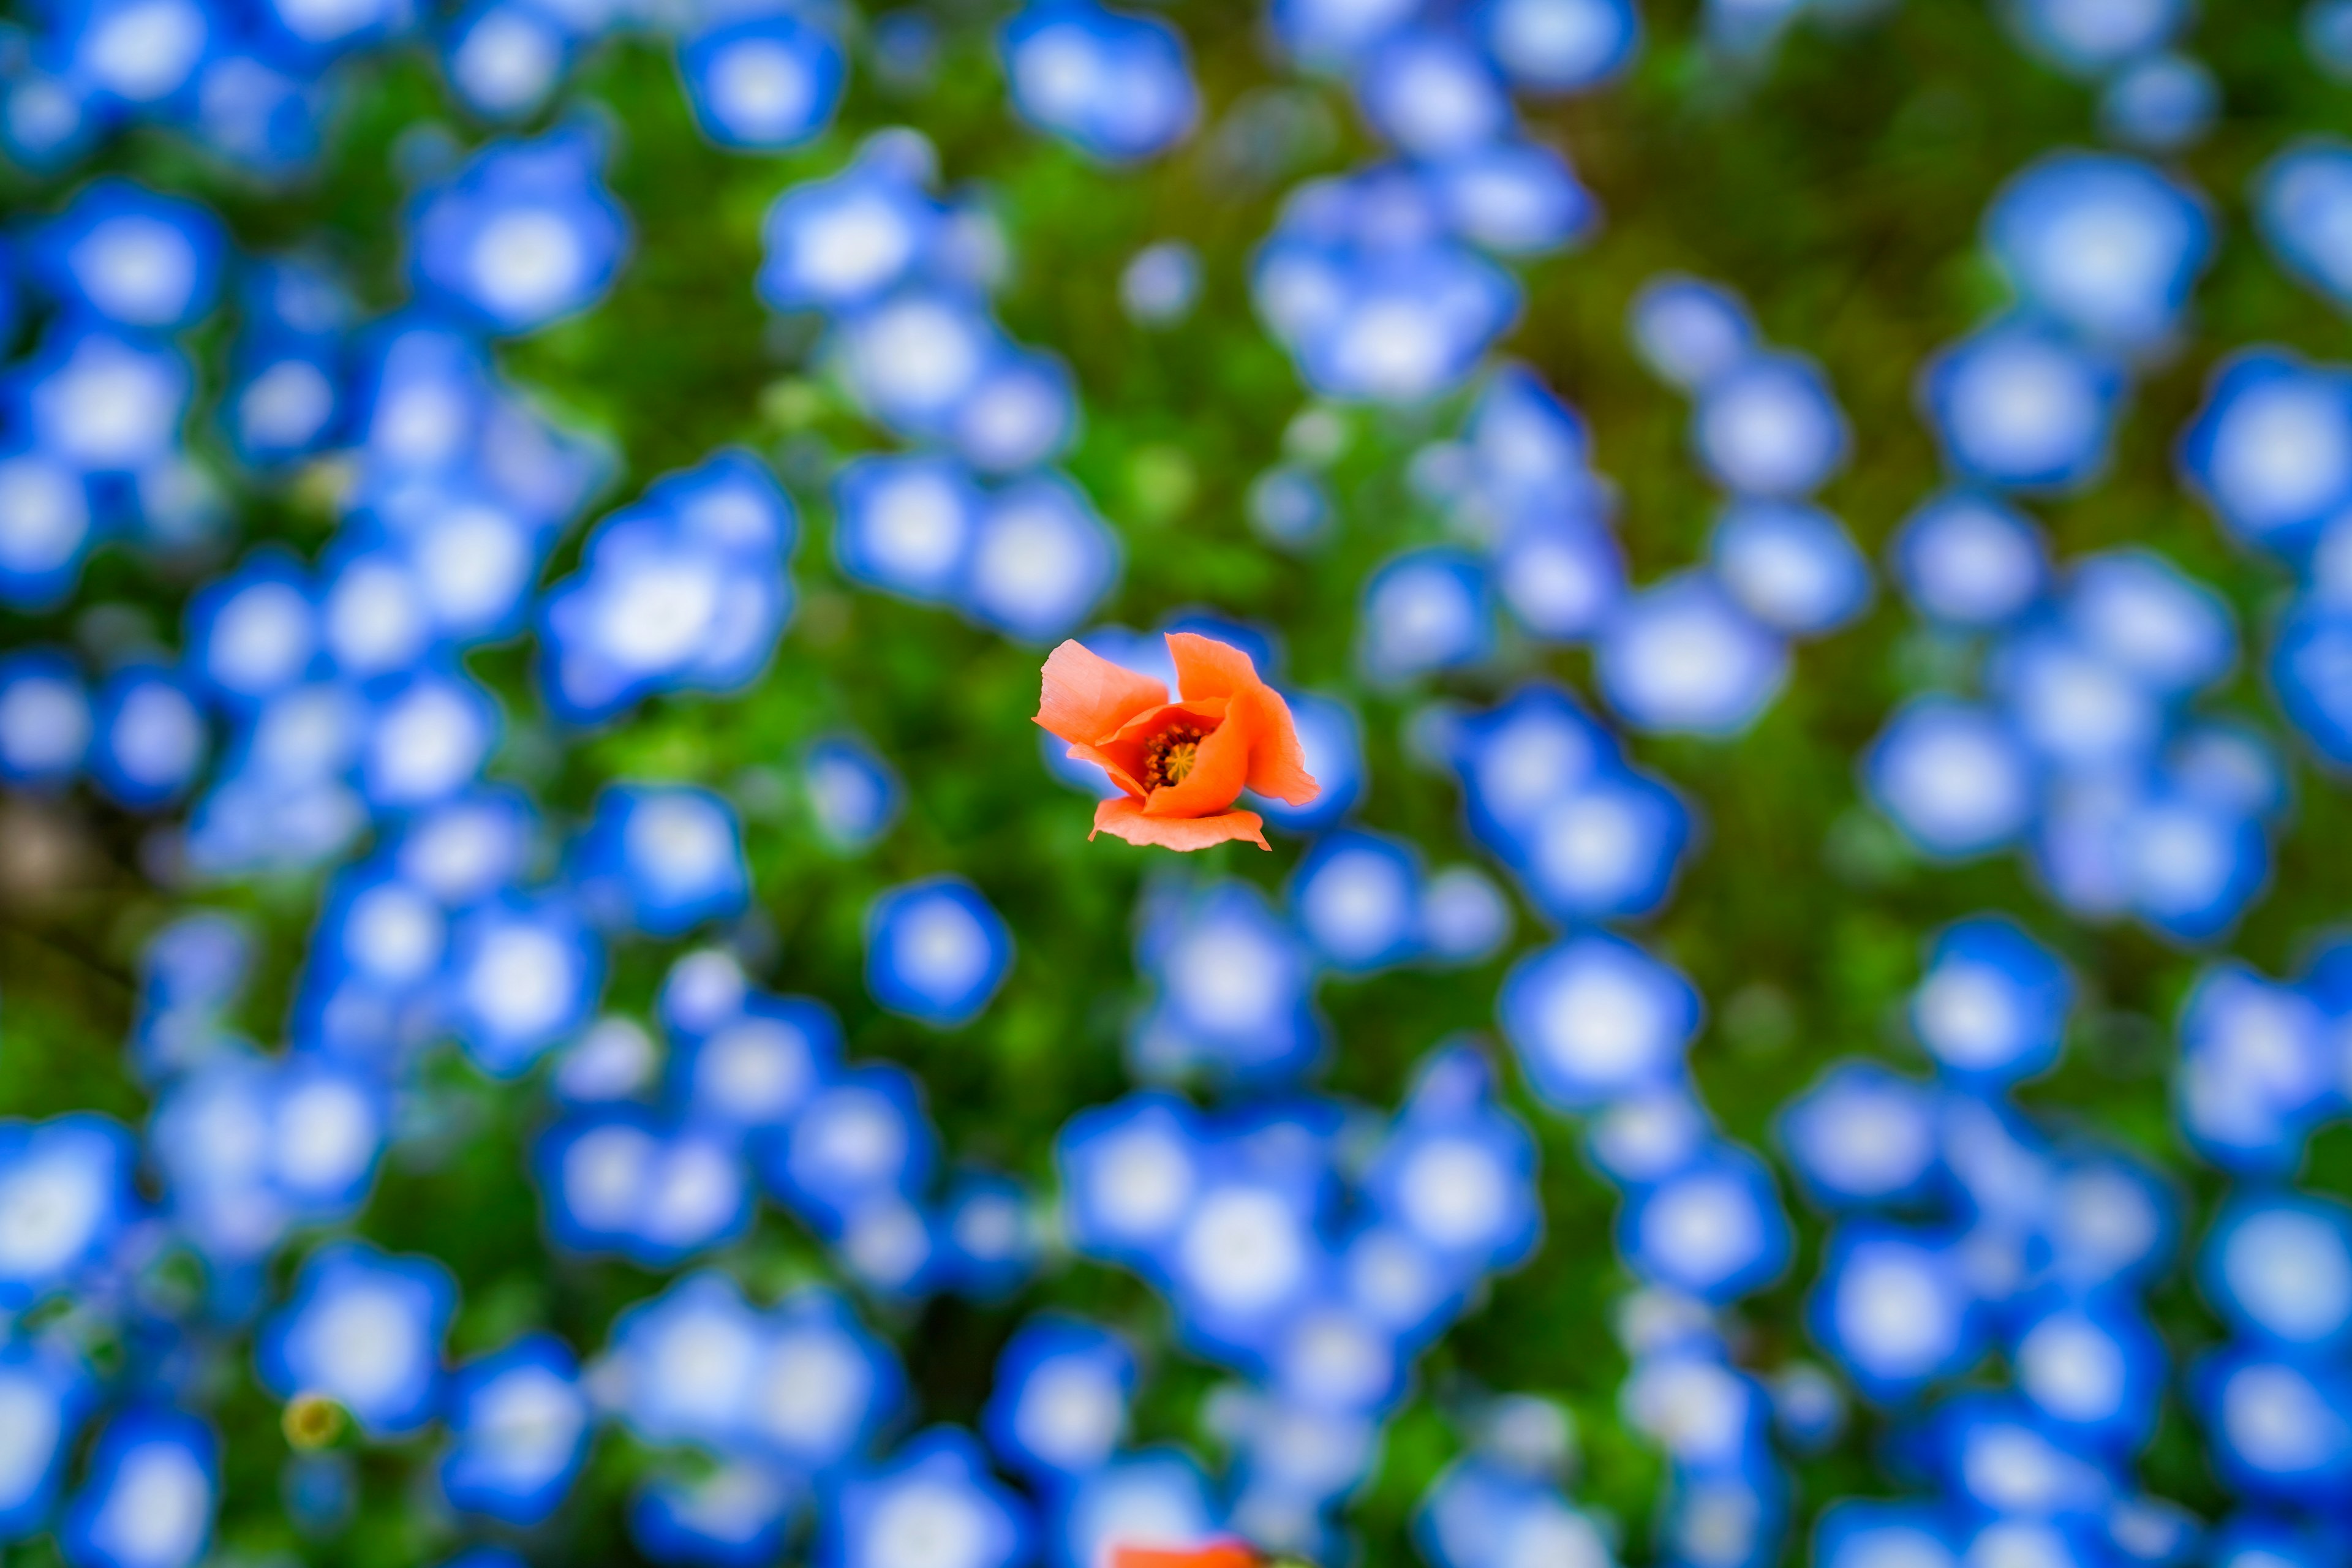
<point x="1225" y="1554"/>
<point x="1179" y="764"/>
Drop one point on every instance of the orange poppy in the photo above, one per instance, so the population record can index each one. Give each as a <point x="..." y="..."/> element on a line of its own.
<point x="1225" y="1554"/>
<point x="1179" y="765"/>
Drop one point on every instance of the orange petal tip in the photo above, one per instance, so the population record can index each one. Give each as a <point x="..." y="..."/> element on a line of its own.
<point x="1123" y="817"/>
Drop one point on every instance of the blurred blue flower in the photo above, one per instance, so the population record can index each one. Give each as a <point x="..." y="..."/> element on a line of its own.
<point x="523" y="235"/>
<point x="936" y="952"/>
<point x="1114" y="84"/>
<point x="762" y="82"/>
<point x="363" y="1329"/>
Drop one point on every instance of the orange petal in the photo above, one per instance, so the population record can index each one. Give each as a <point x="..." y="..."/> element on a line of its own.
<point x="1085" y="697"/>
<point x="1207" y="668"/>
<point x="1209" y="711"/>
<point x="1277" y="763"/>
<point x="1124" y="753"/>
<point x="1218" y="768"/>
<point x="1124" y="818"/>
<point x="1225" y="1554"/>
<point x="1118" y="764"/>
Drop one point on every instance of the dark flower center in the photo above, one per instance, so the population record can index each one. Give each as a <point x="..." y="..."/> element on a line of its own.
<point x="1169" y="757"/>
<point x="311" y="1421"/>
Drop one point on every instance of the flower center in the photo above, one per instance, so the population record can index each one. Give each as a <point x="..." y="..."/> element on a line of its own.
<point x="1169" y="757"/>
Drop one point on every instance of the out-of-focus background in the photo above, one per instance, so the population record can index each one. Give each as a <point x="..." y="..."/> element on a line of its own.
<point x="552" y="1002"/>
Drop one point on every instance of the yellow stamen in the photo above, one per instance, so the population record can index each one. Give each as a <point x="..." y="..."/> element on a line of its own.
<point x="1169" y="757"/>
<point x="312" y="1421"/>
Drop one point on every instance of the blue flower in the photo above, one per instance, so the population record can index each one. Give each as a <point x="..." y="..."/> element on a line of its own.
<point x="1023" y="412"/>
<point x="1794" y="568"/>
<point x="66" y="1199"/>
<point x="843" y="243"/>
<point x="1563" y="574"/>
<point x="47" y="526"/>
<point x="1041" y="559"/>
<point x="1770" y="425"/>
<point x="2091" y="37"/>
<point x="1861" y="1136"/>
<point x="663" y="858"/>
<point x="1951" y="776"/>
<point x="2271" y="450"/>
<point x="1058" y="1406"/>
<point x="1130" y="1172"/>
<point x="1479" y="1514"/>
<point x="504" y="59"/>
<point x="152" y="1485"/>
<point x="254" y="633"/>
<point x="936" y="952"/>
<point x="1357" y="898"/>
<point x="1970" y="562"/>
<point x="757" y="1069"/>
<point x="134" y="59"/>
<point x="861" y="1142"/>
<point x="906" y="524"/>
<point x="428" y="737"/>
<point x="100" y="401"/>
<point x="1431" y="94"/>
<point x="913" y="360"/>
<point x="1681" y="656"/>
<point x="1715" y="1230"/>
<point x="991" y="1233"/>
<point x="129" y="257"/>
<point x="761" y="83"/>
<point x="684" y="591"/>
<point x="1114" y="84"/>
<point x="364" y="1329"/>
<point x="2096" y="1369"/>
<point x="732" y="1516"/>
<point x="1689" y="331"/>
<point x="852" y="792"/>
<point x="934" y="1496"/>
<point x="1647" y="1136"/>
<point x="2301" y="199"/>
<point x="1245" y="1259"/>
<point x="250" y="1146"/>
<point x="47" y="1393"/>
<point x="524" y="974"/>
<point x="2279" y="1431"/>
<point x="45" y="720"/>
<point x="1457" y="1173"/>
<point x="148" y="741"/>
<point x="1161" y="283"/>
<point x="2256" y="1073"/>
<point x="263" y="118"/>
<point x="2020" y="404"/>
<point x="2161" y="104"/>
<point x="1993" y="1004"/>
<point x="828" y="1388"/>
<point x="521" y="1427"/>
<point x="523" y="235"/>
<point x="1861" y="1532"/>
<point x="627" y="1181"/>
<point x="685" y="1366"/>
<point x="1232" y="989"/>
<point x="2108" y="245"/>
<point x="1157" y="1498"/>
<point x="1559" y="47"/>
<point x="1893" y="1308"/>
<point x="1426" y="611"/>
<point x="1593" y="1018"/>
